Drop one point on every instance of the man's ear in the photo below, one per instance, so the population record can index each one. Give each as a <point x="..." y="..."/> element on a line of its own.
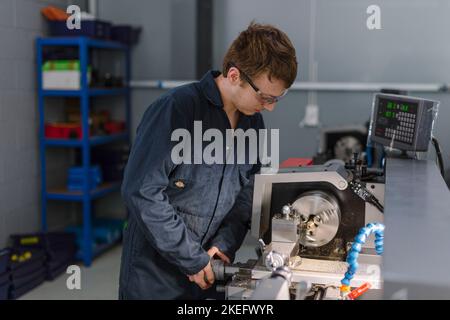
<point x="233" y="76"/>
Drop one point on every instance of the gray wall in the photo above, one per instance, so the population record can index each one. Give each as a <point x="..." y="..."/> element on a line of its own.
<point x="20" y="23"/>
<point x="410" y="48"/>
<point x="167" y="42"/>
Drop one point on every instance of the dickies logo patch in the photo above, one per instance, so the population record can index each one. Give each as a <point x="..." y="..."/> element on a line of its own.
<point x="180" y="184"/>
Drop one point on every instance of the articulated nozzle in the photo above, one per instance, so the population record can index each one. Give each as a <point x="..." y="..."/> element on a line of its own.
<point x="352" y="256"/>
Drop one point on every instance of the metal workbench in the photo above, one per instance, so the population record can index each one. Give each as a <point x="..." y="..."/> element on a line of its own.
<point x="416" y="259"/>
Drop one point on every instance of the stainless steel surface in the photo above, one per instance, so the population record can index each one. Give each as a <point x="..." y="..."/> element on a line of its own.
<point x="281" y="253"/>
<point x="302" y="289"/>
<point x="320" y="215"/>
<point x="329" y="272"/>
<point x="286" y="210"/>
<point x="417" y="218"/>
<point x="334" y="174"/>
<point x="275" y="287"/>
<point x="240" y="288"/>
<point x="284" y="229"/>
<point x="275" y="260"/>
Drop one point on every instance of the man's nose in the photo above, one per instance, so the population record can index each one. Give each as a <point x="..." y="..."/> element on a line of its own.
<point x="269" y="107"/>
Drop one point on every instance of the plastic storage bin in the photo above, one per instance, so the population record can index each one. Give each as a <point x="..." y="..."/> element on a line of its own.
<point x="4" y="260"/>
<point x="63" y="131"/>
<point x="90" y="28"/>
<point x="62" y="75"/>
<point x="47" y="240"/>
<point x="17" y="292"/>
<point x="5" y="278"/>
<point x="76" y="178"/>
<point x="4" y="291"/>
<point x="23" y="279"/>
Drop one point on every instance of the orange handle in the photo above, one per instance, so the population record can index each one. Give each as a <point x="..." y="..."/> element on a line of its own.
<point x="359" y="291"/>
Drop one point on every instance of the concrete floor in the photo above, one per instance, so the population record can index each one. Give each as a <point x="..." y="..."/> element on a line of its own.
<point x="101" y="280"/>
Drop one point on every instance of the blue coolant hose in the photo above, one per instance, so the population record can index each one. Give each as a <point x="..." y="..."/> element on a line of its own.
<point x="352" y="256"/>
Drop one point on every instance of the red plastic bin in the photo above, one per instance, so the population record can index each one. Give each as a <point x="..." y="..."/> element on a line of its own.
<point x="63" y="131"/>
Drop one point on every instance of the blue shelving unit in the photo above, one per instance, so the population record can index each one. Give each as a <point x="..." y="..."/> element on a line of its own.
<point x="85" y="94"/>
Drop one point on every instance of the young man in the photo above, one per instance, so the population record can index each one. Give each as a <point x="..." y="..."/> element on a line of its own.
<point x="181" y="215"/>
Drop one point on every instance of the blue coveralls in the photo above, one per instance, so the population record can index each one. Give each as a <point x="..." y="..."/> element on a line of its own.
<point x="177" y="212"/>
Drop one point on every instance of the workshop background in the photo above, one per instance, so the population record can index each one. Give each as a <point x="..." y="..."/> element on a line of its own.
<point x="178" y="40"/>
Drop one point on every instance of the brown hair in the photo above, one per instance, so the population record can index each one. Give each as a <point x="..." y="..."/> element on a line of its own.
<point x="263" y="48"/>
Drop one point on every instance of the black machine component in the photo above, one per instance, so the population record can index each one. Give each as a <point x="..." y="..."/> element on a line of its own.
<point x="402" y="122"/>
<point x="340" y="143"/>
<point x="359" y="189"/>
<point x="359" y="174"/>
<point x="440" y="160"/>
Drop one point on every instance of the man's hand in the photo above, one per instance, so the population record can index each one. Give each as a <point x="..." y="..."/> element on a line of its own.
<point x="205" y="278"/>
<point x="215" y="251"/>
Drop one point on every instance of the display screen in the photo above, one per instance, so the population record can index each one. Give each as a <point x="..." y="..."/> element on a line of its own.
<point x="396" y="120"/>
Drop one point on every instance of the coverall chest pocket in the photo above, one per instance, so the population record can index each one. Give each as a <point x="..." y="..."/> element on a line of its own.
<point x="192" y="173"/>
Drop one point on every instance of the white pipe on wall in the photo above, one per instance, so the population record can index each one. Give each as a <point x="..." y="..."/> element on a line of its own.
<point x="312" y="86"/>
<point x="92" y="7"/>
